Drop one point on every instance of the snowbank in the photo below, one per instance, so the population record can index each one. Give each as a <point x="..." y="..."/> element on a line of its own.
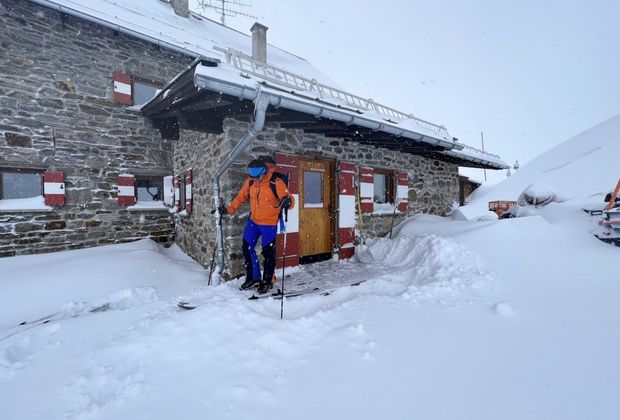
<point x="441" y="304"/>
<point x="534" y="197"/>
<point x="583" y="168"/>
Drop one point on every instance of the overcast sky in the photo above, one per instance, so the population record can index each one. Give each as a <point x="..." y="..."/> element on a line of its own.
<point x="529" y="73"/>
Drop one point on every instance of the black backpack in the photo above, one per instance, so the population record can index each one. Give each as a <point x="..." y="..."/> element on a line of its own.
<point x="272" y="183"/>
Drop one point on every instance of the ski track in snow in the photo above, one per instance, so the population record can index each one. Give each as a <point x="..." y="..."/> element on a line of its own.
<point x="240" y="338"/>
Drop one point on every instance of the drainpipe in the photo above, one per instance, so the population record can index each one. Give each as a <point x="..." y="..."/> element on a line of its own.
<point x="260" y="107"/>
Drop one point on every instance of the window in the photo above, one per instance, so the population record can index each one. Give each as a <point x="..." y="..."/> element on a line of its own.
<point x="383" y="182"/>
<point x="313" y="189"/>
<point x="20" y="183"/>
<point x="143" y="91"/>
<point x="149" y="189"/>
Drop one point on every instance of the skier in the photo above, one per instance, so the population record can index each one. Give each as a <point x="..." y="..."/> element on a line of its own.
<point x="268" y="195"/>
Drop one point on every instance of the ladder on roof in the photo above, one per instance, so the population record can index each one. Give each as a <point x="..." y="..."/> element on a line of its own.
<point x="246" y="63"/>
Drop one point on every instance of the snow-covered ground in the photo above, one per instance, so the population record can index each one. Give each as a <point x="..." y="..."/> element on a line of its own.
<point x="458" y="319"/>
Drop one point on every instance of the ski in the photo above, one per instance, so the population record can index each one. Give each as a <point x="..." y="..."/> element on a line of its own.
<point x="278" y="294"/>
<point x="186" y="305"/>
<point x="295" y="293"/>
<point x="53" y="317"/>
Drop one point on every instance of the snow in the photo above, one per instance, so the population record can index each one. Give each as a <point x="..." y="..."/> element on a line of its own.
<point x="539" y="194"/>
<point x="582" y="169"/>
<point x="474" y="154"/>
<point x="383" y="208"/>
<point x="534" y="197"/>
<point x="26" y="204"/>
<point x="228" y="75"/>
<point x="148" y="205"/>
<point x="200" y="36"/>
<point x="197" y="35"/>
<point x="455" y="318"/>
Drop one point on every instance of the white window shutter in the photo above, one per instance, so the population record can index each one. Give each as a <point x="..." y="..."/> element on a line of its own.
<point x="177" y="192"/>
<point x="188" y="192"/>
<point x="367" y="189"/>
<point x="402" y="191"/>
<point x="168" y="191"/>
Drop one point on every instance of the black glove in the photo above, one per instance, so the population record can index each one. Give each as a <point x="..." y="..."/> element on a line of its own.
<point x="286" y="202"/>
<point x="222" y="209"/>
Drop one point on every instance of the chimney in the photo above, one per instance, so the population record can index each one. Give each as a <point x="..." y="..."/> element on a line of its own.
<point x="259" y="42"/>
<point x="181" y="7"/>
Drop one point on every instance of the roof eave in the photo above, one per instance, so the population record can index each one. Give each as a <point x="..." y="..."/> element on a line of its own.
<point x="293" y="102"/>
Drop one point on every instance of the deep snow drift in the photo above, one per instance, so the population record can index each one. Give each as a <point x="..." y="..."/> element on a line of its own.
<point x="481" y="319"/>
<point x="582" y="169"/>
<point x="521" y="327"/>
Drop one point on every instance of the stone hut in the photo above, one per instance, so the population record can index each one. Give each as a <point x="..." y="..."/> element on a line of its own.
<point x="121" y="122"/>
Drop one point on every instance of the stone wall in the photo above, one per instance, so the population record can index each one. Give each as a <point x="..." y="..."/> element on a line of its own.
<point x="433" y="185"/>
<point x="57" y="113"/>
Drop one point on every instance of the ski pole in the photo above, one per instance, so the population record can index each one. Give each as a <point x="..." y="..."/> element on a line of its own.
<point x="212" y="262"/>
<point x="283" y="220"/>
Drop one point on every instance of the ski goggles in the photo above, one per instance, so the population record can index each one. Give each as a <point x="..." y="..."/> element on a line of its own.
<point x="254" y="172"/>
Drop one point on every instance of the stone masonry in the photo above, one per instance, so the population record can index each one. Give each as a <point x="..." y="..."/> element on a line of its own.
<point x="57" y="113"/>
<point x="433" y="185"/>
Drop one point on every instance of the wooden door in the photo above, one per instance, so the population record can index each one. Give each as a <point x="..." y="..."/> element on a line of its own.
<point x="316" y="224"/>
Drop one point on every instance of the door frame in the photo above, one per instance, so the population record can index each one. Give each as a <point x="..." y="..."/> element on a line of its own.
<point x="332" y="206"/>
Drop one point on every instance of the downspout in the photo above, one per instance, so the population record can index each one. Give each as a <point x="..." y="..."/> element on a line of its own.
<point x="260" y="107"/>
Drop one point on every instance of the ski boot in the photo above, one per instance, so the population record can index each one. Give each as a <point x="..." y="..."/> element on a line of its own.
<point x="248" y="284"/>
<point x="264" y="286"/>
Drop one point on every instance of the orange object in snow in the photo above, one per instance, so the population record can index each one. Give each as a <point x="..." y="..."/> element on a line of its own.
<point x="612" y="200"/>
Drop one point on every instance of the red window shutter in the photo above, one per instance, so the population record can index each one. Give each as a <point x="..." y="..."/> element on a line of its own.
<point x="402" y="191"/>
<point x="54" y="188"/>
<point x="188" y="192"/>
<point x="123" y="88"/>
<point x="126" y="190"/>
<point x="346" y="209"/>
<point x="367" y="189"/>
<point x="289" y="164"/>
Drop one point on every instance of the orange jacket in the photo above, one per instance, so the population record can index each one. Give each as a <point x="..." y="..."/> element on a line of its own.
<point x="263" y="204"/>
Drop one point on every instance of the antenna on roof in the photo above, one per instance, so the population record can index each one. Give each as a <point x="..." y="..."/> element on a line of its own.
<point x="225" y="8"/>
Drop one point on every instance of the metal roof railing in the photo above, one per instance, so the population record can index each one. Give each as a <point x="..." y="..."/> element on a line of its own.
<point x="246" y="63"/>
<point x="478" y="150"/>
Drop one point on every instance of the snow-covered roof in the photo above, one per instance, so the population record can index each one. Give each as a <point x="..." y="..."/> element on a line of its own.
<point x="478" y="156"/>
<point x="227" y="79"/>
<point x="155" y="21"/>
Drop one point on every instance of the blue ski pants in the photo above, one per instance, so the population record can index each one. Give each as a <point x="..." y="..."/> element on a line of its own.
<point x="251" y="233"/>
